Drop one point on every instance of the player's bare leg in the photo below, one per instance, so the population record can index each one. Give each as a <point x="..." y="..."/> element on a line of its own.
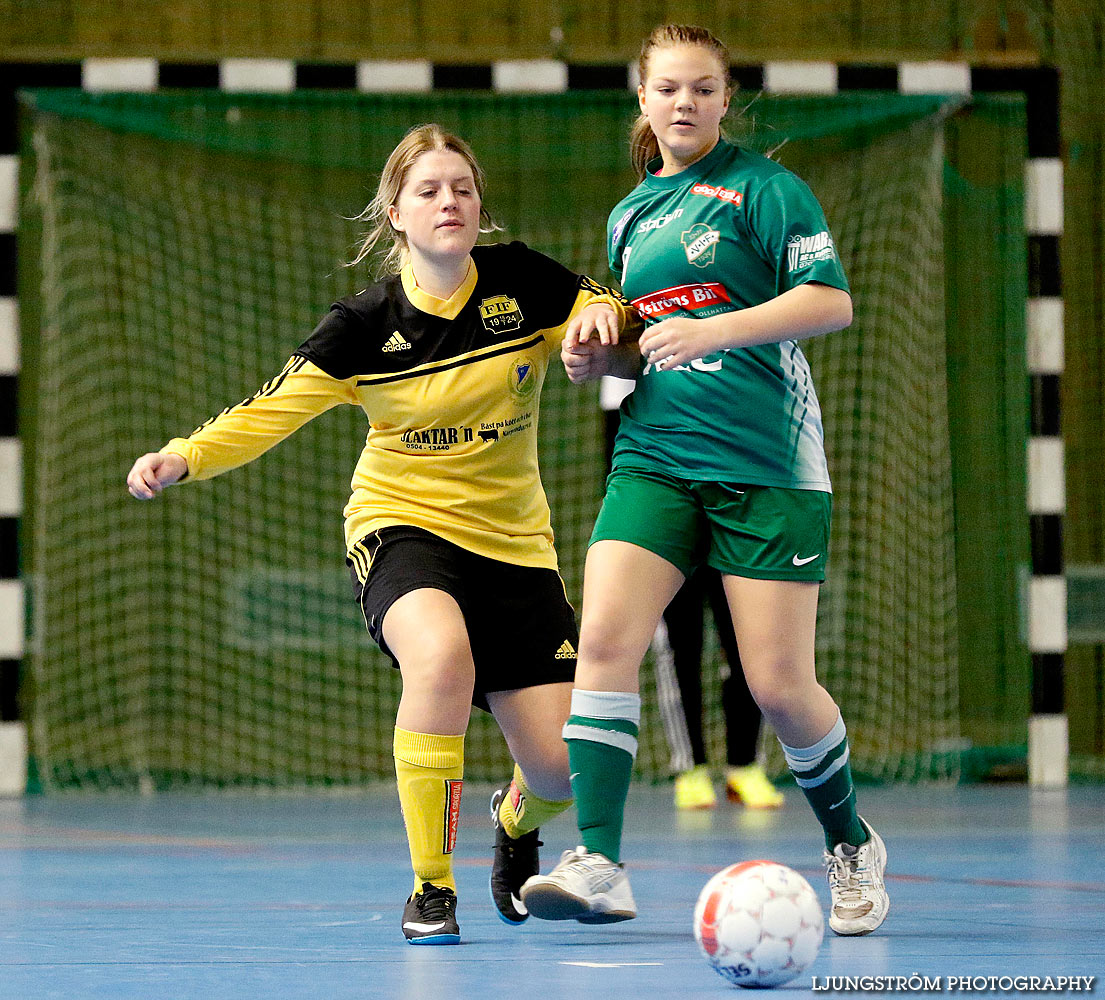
<point x="426" y="632"/>
<point x="589" y="884"/>
<point x="532" y="721"/>
<point x="775" y="623"/>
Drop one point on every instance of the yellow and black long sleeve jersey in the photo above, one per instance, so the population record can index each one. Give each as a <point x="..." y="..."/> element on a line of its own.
<point x="451" y="388"/>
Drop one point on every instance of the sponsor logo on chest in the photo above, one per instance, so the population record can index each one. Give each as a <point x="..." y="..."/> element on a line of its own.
<point x="500" y="314"/>
<point x="725" y="194"/>
<point x="649" y="225"/>
<point x="522" y="378"/>
<point x="619" y="226"/>
<point x="435" y="438"/>
<point x="688" y="298"/>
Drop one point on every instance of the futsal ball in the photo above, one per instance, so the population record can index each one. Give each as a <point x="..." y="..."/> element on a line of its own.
<point x="758" y="923"/>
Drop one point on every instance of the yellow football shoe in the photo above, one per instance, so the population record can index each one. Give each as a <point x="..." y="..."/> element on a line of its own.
<point x="751" y="787"/>
<point x="694" y="789"/>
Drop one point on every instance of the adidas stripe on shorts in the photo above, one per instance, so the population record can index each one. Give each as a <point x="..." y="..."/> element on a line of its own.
<point x="520" y="625"/>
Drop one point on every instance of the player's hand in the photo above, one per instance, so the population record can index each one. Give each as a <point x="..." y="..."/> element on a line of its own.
<point x="597" y="319"/>
<point x="678" y="341"/>
<point x="153" y="472"/>
<point x="585" y="362"/>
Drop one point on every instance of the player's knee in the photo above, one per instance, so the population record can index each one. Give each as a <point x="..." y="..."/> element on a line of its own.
<point x="439" y="666"/>
<point x="602" y="642"/>
<point x="546" y="770"/>
<point x="443" y="692"/>
<point x="778" y="696"/>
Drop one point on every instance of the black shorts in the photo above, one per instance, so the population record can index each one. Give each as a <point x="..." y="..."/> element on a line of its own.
<point x="521" y="628"/>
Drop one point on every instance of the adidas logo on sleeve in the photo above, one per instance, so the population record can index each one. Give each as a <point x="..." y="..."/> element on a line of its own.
<point x="566" y="651"/>
<point x="396" y="342"/>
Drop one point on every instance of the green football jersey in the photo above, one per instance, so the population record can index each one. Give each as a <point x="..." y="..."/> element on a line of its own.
<point x="732" y="231"/>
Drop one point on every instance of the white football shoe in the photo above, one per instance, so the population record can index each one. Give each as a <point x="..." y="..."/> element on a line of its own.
<point x="584" y="886"/>
<point x="859" y="899"/>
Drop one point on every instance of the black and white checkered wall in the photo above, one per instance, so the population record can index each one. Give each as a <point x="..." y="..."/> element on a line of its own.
<point x="1046" y="604"/>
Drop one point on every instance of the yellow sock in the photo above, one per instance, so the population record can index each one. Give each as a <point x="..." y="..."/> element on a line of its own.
<point x="429" y="770"/>
<point x="521" y="811"/>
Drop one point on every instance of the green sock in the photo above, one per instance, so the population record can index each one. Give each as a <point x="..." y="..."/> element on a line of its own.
<point x="601" y="734"/>
<point x="823" y="774"/>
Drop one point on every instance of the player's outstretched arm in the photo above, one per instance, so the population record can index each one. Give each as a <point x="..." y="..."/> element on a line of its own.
<point x="155" y="470"/>
<point x="244" y="431"/>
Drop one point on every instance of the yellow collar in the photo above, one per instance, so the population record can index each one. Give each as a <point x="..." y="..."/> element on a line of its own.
<point x="444" y="308"/>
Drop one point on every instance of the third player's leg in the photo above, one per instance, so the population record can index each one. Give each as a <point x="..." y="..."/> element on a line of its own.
<point x="745" y="780"/>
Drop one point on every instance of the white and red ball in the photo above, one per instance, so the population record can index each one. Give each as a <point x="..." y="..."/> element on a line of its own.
<point x="758" y="923"/>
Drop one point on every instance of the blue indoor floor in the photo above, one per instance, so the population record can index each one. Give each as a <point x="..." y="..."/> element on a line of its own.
<point x="220" y="896"/>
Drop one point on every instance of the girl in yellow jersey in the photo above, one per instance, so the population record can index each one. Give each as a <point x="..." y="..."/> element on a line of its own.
<point x="447" y="528"/>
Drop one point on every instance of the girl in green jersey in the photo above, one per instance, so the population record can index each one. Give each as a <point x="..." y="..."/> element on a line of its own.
<point x="720" y="460"/>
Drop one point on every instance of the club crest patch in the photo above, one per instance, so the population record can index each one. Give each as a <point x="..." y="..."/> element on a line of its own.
<point x="700" y="242"/>
<point x="500" y="314"/>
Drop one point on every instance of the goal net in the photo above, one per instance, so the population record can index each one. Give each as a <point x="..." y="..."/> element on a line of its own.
<point x="177" y="247"/>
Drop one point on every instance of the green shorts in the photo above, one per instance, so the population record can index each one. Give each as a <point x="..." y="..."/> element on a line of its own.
<point x="762" y="532"/>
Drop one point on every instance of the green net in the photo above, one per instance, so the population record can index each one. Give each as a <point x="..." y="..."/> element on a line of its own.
<point x="178" y="247"/>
